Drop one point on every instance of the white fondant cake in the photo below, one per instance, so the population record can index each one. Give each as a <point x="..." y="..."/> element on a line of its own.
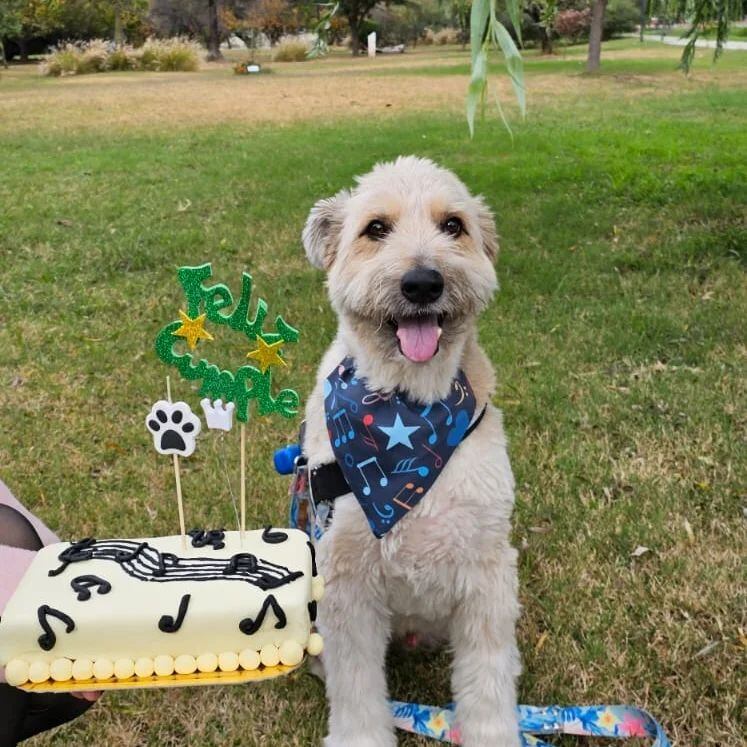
<point x="99" y="611"/>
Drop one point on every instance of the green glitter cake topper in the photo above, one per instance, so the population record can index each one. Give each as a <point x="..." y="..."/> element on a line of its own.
<point x="212" y="303"/>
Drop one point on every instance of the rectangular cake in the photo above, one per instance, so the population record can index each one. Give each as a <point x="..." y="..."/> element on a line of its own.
<point x="149" y="610"/>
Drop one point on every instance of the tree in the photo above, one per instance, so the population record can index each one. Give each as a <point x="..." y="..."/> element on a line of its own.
<point x="10" y="25"/>
<point x="356" y="11"/>
<point x="595" y="35"/>
<point x="213" y="34"/>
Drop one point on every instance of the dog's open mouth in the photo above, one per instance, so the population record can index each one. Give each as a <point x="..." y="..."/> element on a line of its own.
<point x="418" y="336"/>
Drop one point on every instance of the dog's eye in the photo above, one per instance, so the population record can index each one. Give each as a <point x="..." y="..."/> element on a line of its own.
<point x="453" y="226"/>
<point x="376" y="230"/>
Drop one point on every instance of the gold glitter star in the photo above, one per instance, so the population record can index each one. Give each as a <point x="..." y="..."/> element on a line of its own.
<point x="192" y="330"/>
<point x="267" y="355"/>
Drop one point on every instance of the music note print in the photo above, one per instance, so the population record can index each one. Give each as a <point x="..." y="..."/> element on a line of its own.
<point x="449" y="418"/>
<point x="459" y="388"/>
<point x="375" y="397"/>
<point x="385" y="514"/>
<point x="353" y="404"/>
<point x="369" y="440"/>
<point x="413" y="491"/>
<point x="404" y="466"/>
<point x="344" y="431"/>
<point x="426" y="412"/>
<point x="383" y="480"/>
<point x="438" y="462"/>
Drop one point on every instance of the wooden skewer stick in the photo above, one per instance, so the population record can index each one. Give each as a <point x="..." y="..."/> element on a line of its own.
<point x="178" y="479"/>
<point x="243" y="480"/>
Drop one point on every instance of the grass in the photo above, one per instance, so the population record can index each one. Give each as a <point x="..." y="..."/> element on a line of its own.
<point x="618" y="338"/>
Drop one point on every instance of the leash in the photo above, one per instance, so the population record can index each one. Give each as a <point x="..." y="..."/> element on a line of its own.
<point x="612" y="722"/>
<point x="605" y="721"/>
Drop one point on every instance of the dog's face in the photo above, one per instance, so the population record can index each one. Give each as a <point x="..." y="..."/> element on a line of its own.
<point x="409" y="257"/>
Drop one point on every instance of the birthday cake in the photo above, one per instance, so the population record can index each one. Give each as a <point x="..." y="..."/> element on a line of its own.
<point x="162" y="610"/>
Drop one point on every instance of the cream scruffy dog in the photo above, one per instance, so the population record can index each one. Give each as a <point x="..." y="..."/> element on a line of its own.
<point x="409" y="255"/>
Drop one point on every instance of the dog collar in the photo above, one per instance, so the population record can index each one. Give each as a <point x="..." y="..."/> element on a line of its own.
<point x="389" y="450"/>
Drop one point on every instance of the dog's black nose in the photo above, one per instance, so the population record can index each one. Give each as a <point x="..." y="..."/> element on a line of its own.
<point x="422" y="286"/>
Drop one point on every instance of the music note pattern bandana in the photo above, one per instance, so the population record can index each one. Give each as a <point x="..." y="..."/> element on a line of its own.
<point x="391" y="449"/>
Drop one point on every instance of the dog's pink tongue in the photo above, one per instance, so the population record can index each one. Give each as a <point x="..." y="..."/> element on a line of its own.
<point x="418" y="337"/>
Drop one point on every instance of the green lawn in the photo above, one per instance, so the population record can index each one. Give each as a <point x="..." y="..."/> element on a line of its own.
<point x="618" y="337"/>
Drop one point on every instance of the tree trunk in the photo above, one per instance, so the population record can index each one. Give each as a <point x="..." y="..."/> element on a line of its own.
<point x="118" y="31"/>
<point x="547" y="47"/>
<point x="23" y="50"/>
<point x="595" y="35"/>
<point x="3" y="60"/>
<point x="213" y="40"/>
<point x="355" y="42"/>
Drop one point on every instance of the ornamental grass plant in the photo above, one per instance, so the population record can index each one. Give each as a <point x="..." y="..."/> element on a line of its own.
<point x="177" y="54"/>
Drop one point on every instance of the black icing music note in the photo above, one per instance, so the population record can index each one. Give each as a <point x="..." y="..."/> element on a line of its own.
<point x="213" y="537"/>
<point x="273" y="538"/>
<point x="383" y="480"/>
<point x="242" y="561"/>
<point x="250" y="627"/>
<point x="404" y="466"/>
<point x="426" y="411"/>
<point x="343" y="427"/>
<point x="48" y="638"/>
<point x="167" y="624"/>
<point x="124" y="556"/>
<point x="438" y="461"/>
<point x="413" y="491"/>
<point x="82" y="585"/>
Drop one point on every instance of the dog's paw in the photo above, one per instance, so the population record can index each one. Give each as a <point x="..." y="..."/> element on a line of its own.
<point x="174" y="427"/>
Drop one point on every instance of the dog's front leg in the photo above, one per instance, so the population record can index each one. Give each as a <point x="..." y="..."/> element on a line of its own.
<point x="356" y="629"/>
<point x="486" y="658"/>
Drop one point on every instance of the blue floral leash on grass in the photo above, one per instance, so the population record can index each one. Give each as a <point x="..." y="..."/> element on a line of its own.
<point x="605" y="721"/>
<point x="613" y="722"/>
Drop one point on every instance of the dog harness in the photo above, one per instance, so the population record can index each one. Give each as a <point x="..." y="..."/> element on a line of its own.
<point x="389" y="449"/>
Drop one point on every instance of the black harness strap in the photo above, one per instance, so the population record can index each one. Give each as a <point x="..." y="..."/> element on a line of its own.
<point x="327" y="482"/>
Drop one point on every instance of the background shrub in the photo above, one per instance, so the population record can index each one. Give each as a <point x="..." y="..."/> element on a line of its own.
<point x="291" y="50"/>
<point x="98" y="56"/>
<point x="447" y="35"/>
<point x="573" y="25"/>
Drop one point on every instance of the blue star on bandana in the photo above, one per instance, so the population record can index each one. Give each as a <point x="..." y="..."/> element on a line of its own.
<point x="398" y="433"/>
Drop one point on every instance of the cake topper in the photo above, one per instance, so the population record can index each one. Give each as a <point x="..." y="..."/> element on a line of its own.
<point x="231" y="391"/>
<point x="219" y="417"/>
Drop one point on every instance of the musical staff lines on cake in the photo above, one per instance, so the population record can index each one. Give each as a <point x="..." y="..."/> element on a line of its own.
<point x="143" y="562"/>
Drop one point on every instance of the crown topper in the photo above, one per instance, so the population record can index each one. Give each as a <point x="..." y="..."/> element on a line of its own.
<point x="219" y="417"/>
<point x="215" y="303"/>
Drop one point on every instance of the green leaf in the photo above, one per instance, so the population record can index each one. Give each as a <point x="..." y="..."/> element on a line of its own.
<point x="514" y="13"/>
<point x="513" y="62"/>
<point x="477" y="86"/>
<point x="478" y="28"/>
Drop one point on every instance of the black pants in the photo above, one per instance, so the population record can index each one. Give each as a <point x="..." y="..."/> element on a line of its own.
<point x="24" y="714"/>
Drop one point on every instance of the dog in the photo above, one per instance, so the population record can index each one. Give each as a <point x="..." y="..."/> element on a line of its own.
<point x="408" y="253"/>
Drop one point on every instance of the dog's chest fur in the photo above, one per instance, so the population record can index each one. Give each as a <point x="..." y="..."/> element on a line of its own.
<point x="424" y="563"/>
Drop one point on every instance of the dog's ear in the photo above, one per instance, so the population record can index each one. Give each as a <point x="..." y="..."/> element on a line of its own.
<point x="486" y="222"/>
<point x="322" y="230"/>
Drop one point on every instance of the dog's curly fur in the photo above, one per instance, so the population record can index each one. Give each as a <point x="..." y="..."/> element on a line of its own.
<point x="448" y="568"/>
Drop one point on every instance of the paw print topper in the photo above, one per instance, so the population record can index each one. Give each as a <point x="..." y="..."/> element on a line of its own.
<point x="174" y="427"/>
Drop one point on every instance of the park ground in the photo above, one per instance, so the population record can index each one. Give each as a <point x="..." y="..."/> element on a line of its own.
<point x="618" y="337"/>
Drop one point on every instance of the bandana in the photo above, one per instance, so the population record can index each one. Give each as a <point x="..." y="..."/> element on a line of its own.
<point x="391" y="449"/>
